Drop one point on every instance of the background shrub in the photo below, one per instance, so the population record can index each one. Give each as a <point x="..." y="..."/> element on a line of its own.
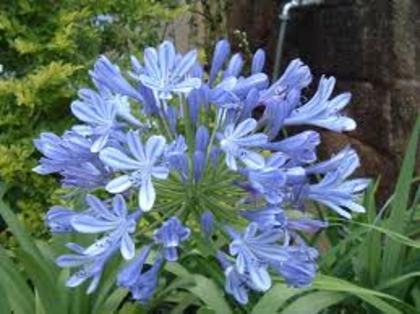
<point x="46" y="48"/>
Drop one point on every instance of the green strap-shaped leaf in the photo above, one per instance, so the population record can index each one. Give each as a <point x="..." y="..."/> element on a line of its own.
<point x="113" y="302"/>
<point x="393" y="251"/>
<point x="24" y="239"/>
<point x="45" y="287"/>
<point x="205" y="289"/>
<point x="4" y="302"/>
<point x="314" y="302"/>
<point x="18" y="292"/>
<point x="328" y="283"/>
<point x="275" y="298"/>
<point x="380" y="304"/>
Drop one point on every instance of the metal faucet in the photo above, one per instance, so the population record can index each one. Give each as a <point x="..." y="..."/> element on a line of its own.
<point x="284" y="17"/>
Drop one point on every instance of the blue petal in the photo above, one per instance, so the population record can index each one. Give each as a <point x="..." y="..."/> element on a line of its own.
<point x="154" y="147"/>
<point x="221" y="52"/>
<point x="258" y="61"/>
<point x="117" y="160"/>
<point x="235" y="66"/>
<point x="89" y="224"/>
<point x="147" y="194"/>
<point x="185" y="65"/>
<point x="119" y="184"/>
<point x="127" y="247"/>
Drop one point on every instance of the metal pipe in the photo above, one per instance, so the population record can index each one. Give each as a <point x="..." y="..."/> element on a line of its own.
<point x="284" y="17"/>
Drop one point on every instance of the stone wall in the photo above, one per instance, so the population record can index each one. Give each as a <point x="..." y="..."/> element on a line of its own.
<point x="372" y="47"/>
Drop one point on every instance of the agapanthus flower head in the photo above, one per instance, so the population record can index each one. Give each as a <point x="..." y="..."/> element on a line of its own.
<point x="179" y="154"/>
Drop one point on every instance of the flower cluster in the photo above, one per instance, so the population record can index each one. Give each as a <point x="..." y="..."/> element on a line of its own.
<point x="170" y="143"/>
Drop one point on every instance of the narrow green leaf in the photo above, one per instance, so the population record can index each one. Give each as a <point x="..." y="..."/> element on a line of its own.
<point x="112" y="302"/>
<point x="381" y="305"/>
<point x="314" y="302"/>
<point x="4" y="302"/>
<point x="369" y="251"/>
<point x="275" y="298"/>
<point x="398" y="280"/>
<point x="19" y="294"/>
<point x="24" y="239"/>
<point x="51" y="300"/>
<point x="327" y="283"/>
<point x="397" y="222"/>
<point x="205" y="289"/>
<point x="391" y="234"/>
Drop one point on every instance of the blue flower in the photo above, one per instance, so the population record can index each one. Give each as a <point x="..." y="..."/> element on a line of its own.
<point x="122" y="105"/>
<point x="337" y="193"/>
<point x="170" y="235"/>
<point x="296" y="77"/>
<point x="145" y="164"/>
<point x="323" y="112"/>
<point x="237" y="285"/>
<point x="220" y="54"/>
<point x="267" y="217"/>
<point x="270" y="180"/>
<point x="109" y="76"/>
<point x="254" y="250"/>
<point x="99" y="116"/>
<point x="142" y="284"/>
<point x="58" y="219"/>
<point x="60" y="152"/>
<point x="235" y="142"/>
<point x="91" y="265"/>
<point x="300" y="268"/>
<point x="117" y="223"/>
<point x="275" y="217"/>
<point x="71" y="157"/>
<point x="166" y="73"/>
<point x="300" y="147"/>
<point x="207" y="223"/>
<point x="333" y="163"/>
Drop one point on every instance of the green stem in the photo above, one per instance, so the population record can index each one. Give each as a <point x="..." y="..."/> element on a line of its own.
<point x="189" y="134"/>
<point x="163" y="123"/>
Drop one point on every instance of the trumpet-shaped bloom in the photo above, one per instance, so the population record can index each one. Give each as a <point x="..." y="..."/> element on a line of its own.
<point x="145" y="164"/>
<point x="237" y="285"/>
<point x="91" y="266"/>
<point x="61" y="152"/>
<point x="337" y="193"/>
<point x="99" y="117"/>
<point x="71" y="157"/>
<point x="236" y="141"/>
<point x="300" y="267"/>
<point x="142" y="284"/>
<point x="275" y="217"/>
<point x="58" y="219"/>
<point x="109" y="75"/>
<point x="322" y="111"/>
<point x="220" y="54"/>
<point x="254" y="250"/>
<point x="300" y="147"/>
<point x="170" y="235"/>
<point x="117" y="224"/>
<point x="165" y="72"/>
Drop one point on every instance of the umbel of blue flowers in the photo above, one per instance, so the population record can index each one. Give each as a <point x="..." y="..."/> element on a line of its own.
<point x="177" y="153"/>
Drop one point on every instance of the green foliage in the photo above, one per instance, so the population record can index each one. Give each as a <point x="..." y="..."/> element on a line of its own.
<point x="46" y="47"/>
